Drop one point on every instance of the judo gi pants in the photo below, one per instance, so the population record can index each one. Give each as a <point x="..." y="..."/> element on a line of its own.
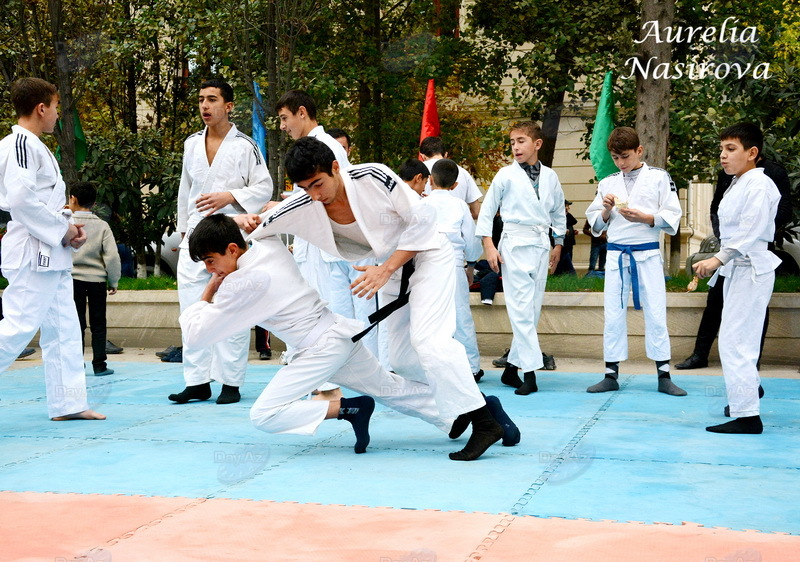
<point x="745" y="305"/>
<point x="43" y="301"/>
<point x="225" y="361"/>
<point x="333" y="357"/>
<point x="465" y="325"/>
<point x="653" y="298"/>
<point x="342" y="301"/>
<point x="420" y="334"/>
<point x="524" y="271"/>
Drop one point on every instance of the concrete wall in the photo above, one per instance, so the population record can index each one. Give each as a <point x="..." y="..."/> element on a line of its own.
<point x="571" y="324"/>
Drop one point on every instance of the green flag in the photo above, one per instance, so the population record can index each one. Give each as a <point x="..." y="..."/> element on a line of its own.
<point x="80" y="140"/>
<point x="603" y="125"/>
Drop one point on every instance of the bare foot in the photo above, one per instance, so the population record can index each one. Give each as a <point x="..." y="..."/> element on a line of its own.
<point x="84" y="415"/>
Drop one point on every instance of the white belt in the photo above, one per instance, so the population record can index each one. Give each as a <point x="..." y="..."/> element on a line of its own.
<point x="325" y="321"/>
<point x="522" y="228"/>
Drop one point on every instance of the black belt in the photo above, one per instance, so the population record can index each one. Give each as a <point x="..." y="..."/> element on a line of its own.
<point x="383" y="312"/>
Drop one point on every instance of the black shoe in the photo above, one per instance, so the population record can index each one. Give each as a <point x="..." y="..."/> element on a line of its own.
<point x="166" y="352"/>
<point x="175" y="356"/>
<point x="694" y="361"/>
<point x="27" y="351"/>
<point x="502" y="361"/>
<point x="478" y="376"/>
<point x="265" y="355"/>
<point x="549" y="362"/>
<point x="104" y="372"/>
<point x="112" y="349"/>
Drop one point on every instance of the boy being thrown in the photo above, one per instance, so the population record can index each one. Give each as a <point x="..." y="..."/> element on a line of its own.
<point x="248" y="286"/>
<point x="367" y="210"/>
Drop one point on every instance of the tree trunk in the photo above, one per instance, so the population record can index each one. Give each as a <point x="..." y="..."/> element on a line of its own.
<point x="551" y="120"/>
<point x="273" y="134"/>
<point x="66" y="135"/>
<point x="653" y="99"/>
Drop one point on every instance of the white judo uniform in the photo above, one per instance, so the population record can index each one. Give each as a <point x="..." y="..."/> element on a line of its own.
<point x="256" y="293"/>
<point x="37" y="266"/>
<point x="525" y="249"/>
<point x="466" y="190"/>
<point x="239" y="168"/>
<point x="329" y="275"/>
<point x="454" y="220"/>
<point x="653" y="193"/>
<point x="390" y="216"/>
<point x="746" y="225"/>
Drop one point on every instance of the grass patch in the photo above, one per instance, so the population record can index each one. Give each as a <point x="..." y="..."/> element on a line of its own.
<point x="677" y="284"/>
<point x="560" y="284"/>
<point x="148" y="284"/>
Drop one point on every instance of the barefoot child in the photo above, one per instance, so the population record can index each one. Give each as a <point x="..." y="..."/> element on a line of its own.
<point x="37" y="254"/>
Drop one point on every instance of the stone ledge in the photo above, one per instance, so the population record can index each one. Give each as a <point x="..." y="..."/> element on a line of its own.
<point x="571" y="324"/>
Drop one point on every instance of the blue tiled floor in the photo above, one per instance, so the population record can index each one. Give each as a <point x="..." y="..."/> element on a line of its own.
<point x="634" y="455"/>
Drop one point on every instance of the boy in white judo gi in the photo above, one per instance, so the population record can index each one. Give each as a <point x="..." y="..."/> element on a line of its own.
<point x="248" y="286"/>
<point x="634" y="205"/>
<point x="223" y="172"/>
<point x="37" y="254"/>
<point x="367" y="210"/>
<point x="431" y="149"/>
<point x="746" y="225"/>
<point x="531" y="203"/>
<point x="454" y="220"/>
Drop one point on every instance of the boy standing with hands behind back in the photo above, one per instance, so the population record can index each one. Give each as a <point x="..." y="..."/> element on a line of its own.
<point x="37" y="253"/>
<point x="634" y="205"/>
<point x="531" y="202"/>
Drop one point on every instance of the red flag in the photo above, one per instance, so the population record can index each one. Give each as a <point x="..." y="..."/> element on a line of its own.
<point x="430" y="115"/>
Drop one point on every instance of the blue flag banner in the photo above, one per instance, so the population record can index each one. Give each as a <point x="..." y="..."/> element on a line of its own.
<point x="259" y="132"/>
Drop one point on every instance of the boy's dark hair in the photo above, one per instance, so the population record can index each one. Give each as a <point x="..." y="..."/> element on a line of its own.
<point x="748" y="134"/>
<point x="84" y="192"/>
<point x="431" y="146"/>
<point x="411" y="167"/>
<point x="307" y="157"/>
<point x="531" y="129"/>
<point x="339" y="133"/>
<point x="294" y="99"/>
<point x="622" y="139"/>
<point x="445" y="173"/>
<point x="27" y="93"/>
<point x="212" y="235"/>
<point x="224" y="88"/>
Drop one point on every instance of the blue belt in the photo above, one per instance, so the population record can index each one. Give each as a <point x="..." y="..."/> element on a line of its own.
<point x="629" y="249"/>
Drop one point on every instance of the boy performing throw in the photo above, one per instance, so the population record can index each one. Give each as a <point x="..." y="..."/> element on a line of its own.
<point x="367" y="210"/>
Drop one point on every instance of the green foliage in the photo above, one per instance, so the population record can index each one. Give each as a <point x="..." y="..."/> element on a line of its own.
<point x="138" y="180"/>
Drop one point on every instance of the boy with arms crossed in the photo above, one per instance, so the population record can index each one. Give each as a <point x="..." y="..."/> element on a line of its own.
<point x="634" y="206"/>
